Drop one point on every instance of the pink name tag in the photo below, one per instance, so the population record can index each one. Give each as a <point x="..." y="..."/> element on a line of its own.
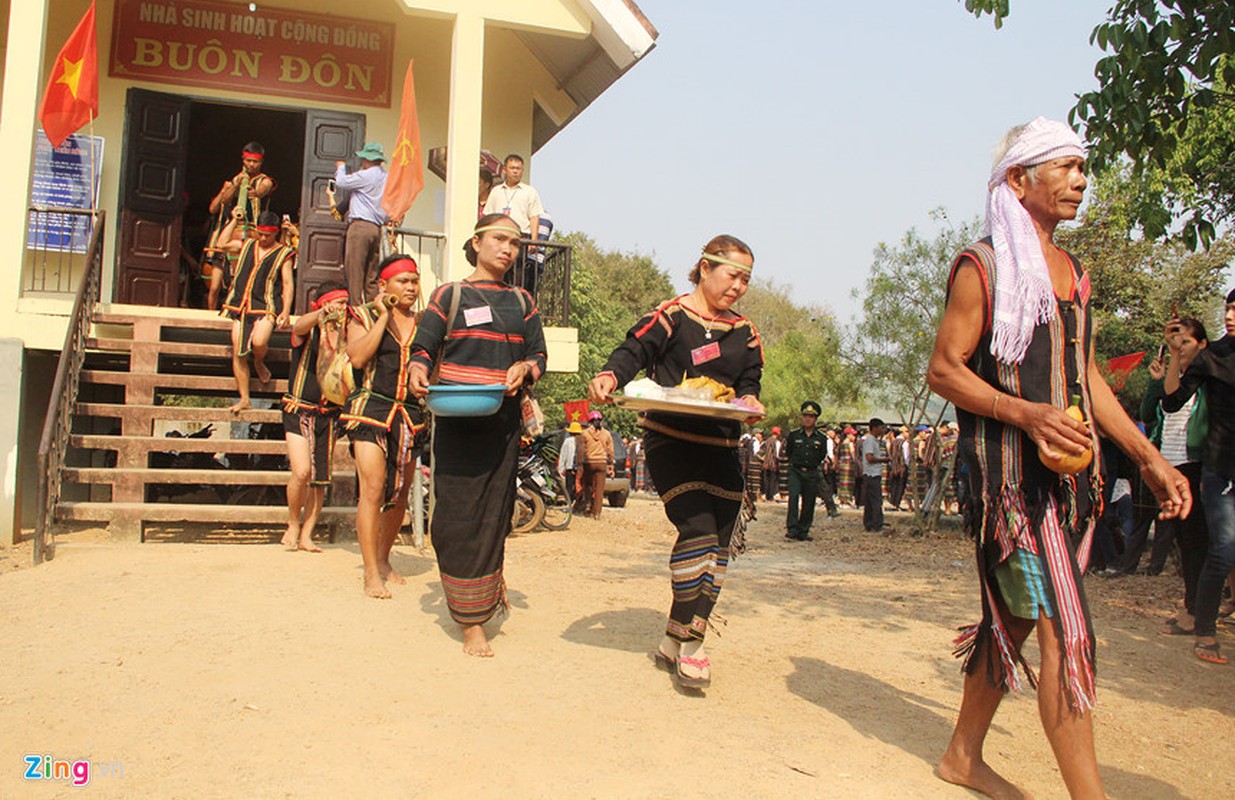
<point x="477" y="316"/>
<point x="702" y="355"/>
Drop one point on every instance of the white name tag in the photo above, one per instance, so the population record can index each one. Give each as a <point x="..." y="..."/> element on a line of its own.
<point x="477" y="316"/>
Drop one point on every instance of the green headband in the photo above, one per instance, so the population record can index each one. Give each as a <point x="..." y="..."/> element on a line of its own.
<point x="722" y="260"/>
<point x="506" y="228"/>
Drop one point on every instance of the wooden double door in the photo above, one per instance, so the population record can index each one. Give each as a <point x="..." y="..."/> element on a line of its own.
<point x="157" y="159"/>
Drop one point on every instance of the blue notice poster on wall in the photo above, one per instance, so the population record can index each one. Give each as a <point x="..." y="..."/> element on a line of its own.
<point x="65" y="177"/>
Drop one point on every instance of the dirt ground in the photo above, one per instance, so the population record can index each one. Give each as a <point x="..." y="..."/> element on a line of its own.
<point x="241" y="670"/>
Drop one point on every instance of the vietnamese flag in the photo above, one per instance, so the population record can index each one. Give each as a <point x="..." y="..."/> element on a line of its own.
<point x="72" y="96"/>
<point x="1120" y="368"/>
<point x="407" y="175"/>
<point x="576" y="411"/>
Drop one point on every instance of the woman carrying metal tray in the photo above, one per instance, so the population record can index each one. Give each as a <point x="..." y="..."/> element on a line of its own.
<point x="693" y="460"/>
<point x="478" y="332"/>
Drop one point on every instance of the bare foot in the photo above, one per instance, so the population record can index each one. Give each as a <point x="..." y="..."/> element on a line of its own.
<point x="240" y="405"/>
<point x="388" y="574"/>
<point x="374" y="586"/>
<point x="308" y="546"/>
<point x="289" y="537"/>
<point x="262" y="371"/>
<point x="475" y="643"/>
<point x="979" y="777"/>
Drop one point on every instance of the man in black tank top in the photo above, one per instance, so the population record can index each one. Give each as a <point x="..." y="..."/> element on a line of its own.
<point x="1014" y="349"/>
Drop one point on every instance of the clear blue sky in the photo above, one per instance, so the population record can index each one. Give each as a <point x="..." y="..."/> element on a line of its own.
<point x="812" y="130"/>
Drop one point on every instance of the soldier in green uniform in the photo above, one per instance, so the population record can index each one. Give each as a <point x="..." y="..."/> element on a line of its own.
<point x="805" y="449"/>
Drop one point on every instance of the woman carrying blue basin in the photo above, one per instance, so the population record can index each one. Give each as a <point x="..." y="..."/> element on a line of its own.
<point x="477" y="332"/>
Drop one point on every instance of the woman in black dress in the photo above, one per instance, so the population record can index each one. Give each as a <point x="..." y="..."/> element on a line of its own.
<point x="478" y="331"/>
<point x="693" y="461"/>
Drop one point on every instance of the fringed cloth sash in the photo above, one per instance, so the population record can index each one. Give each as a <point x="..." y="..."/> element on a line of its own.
<point x="1038" y="530"/>
<point x="319" y="430"/>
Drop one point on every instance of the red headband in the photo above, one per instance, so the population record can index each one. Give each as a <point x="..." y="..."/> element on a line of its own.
<point x="268" y="228"/>
<point x="329" y="297"/>
<point x="398" y="268"/>
<point x="250" y="154"/>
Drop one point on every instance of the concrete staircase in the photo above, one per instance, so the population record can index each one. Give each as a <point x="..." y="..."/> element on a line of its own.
<point x="154" y="377"/>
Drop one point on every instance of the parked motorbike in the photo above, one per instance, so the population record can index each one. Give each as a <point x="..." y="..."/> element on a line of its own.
<point x="174" y="459"/>
<point x="538" y="480"/>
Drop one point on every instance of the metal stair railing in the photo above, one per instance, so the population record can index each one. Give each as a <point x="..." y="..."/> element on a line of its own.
<point x="53" y="444"/>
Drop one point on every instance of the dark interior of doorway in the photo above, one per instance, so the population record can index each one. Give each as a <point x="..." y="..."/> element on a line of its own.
<point x="218" y="133"/>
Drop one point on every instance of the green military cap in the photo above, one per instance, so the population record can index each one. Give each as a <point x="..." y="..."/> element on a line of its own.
<point x="811" y="407"/>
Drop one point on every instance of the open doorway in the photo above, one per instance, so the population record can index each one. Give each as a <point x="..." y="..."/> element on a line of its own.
<point x="177" y="153"/>
<point x="218" y="133"/>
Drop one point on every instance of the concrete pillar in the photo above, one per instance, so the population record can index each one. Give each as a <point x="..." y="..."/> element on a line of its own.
<point x="12" y="358"/>
<point x="467" y="68"/>
<point x="23" y="85"/>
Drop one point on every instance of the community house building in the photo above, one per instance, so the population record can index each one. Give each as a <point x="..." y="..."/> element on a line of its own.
<point x="184" y="84"/>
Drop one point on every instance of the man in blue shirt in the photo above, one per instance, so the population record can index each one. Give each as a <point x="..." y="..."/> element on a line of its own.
<point x="365" y="217"/>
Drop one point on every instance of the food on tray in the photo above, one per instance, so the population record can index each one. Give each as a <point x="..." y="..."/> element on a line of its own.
<point x="707" y="389"/>
<point x="645" y="388"/>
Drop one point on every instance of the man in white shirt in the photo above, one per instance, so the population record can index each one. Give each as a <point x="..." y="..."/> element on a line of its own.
<point x="568" y="459"/>
<point x="873" y="458"/>
<point x="516" y="199"/>
<point x="522" y="204"/>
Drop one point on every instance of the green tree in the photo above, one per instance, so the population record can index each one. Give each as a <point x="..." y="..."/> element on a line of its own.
<point x="1165" y="103"/>
<point x="609" y="291"/>
<point x="1139" y="283"/>
<point x="903" y="304"/>
<point x="802" y="354"/>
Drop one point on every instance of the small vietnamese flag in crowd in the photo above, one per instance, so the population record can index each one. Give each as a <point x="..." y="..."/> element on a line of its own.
<point x="1120" y="368"/>
<point x="407" y="175"/>
<point x="576" y="411"/>
<point x="72" y="96"/>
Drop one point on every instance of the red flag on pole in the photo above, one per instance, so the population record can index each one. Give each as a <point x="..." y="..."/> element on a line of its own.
<point x="1120" y="368"/>
<point x="407" y="175"/>
<point x="576" y="411"/>
<point x="72" y="96"/>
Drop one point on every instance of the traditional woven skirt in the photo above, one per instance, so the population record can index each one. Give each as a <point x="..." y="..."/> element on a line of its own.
<point x="754" y="476"/>
<point x="844" y="480"/>
<point x="1031" y="553"/>
<point x="701" y="487"/>
<point x="474" y="463"/>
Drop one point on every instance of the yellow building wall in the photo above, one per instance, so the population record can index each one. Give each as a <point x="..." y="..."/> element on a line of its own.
<point x="513" y="79"/>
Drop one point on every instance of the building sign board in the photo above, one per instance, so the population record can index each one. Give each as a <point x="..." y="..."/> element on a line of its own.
<point x="64" y="177"/>
<point x="269" y="51"/>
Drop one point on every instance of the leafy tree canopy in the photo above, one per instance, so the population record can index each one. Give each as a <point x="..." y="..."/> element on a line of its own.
<point x="1165" y="104"/>
<point x="902" y="307"/>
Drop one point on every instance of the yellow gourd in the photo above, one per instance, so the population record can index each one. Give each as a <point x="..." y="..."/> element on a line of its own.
<point x="1064" y="463"/>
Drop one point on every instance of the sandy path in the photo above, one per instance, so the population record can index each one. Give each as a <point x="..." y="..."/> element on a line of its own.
<point x="247" y="671"/>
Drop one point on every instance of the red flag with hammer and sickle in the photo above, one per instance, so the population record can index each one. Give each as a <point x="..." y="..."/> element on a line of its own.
<point x="407" y="175"/>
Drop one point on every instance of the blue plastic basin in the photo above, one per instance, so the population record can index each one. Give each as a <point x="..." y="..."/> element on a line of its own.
<point x="466" y="401"/>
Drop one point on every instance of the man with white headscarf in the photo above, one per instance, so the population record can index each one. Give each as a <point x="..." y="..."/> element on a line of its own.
<point x="1014" y="349"/>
